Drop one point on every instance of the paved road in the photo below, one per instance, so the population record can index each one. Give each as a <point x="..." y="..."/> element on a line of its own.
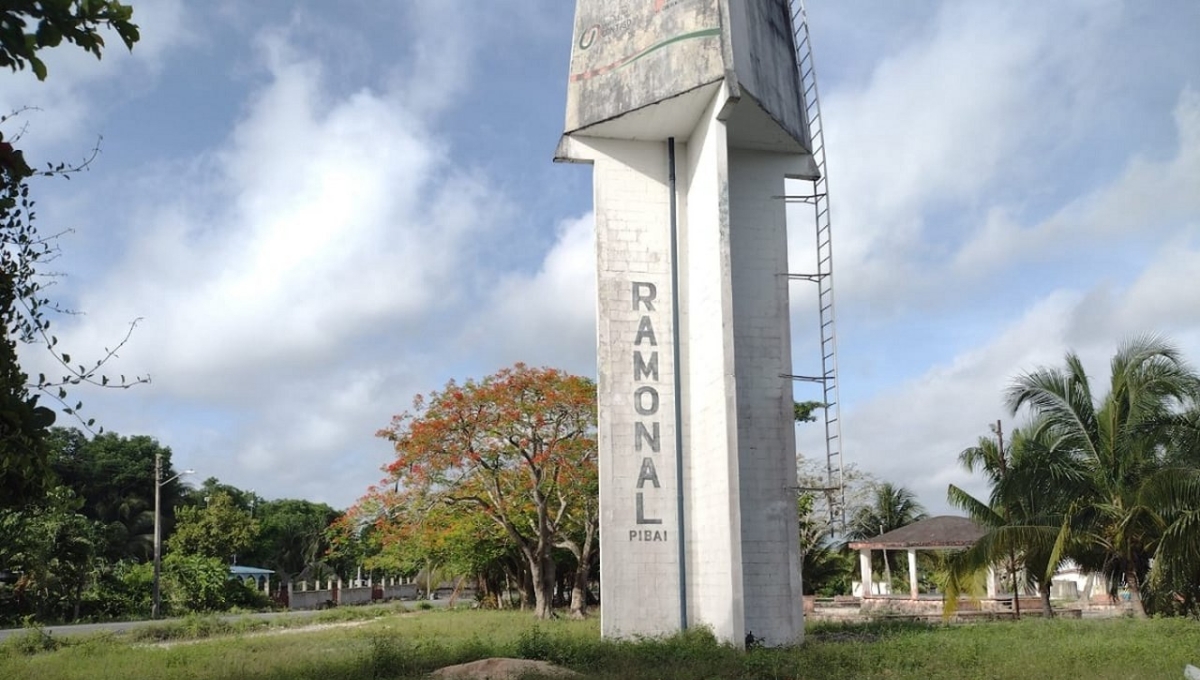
<point x="123" y="626"/>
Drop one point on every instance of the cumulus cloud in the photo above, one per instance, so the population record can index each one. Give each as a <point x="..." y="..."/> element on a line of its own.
<point x="319" y="220"/>
<point x="1149" y="199"/>
<point x="949" y="123"/>
<point x="912" y="433"/>
<point x="293" y="273"/>
<point x="989" y="216"/>
<point x="548" y="316"/>
<point x="68" y="98"/>
<point x="336" y="252"/>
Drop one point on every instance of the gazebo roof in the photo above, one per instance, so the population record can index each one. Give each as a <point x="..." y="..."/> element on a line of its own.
<point x="944" y="531"/>
<point x="240" y="570"/>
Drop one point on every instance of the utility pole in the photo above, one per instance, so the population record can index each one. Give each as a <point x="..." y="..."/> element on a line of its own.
<point x="998" y="429"/>
<point x="156" y="607"/>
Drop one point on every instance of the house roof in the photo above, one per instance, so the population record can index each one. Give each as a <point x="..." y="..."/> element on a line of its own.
<point x="239" y="570"/>
<point x="944" y="531"/>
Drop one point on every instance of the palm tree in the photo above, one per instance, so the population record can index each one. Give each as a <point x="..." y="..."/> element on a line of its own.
<point x="1133" y="495"/>
<point x="1023" y="515"/>
<point x="891" y="507"/>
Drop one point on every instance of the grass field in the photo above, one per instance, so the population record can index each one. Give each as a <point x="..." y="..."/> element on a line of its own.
<point x="409" y="645"/>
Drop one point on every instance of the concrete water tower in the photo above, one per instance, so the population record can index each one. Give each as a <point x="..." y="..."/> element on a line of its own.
<point x="692" y="115"/>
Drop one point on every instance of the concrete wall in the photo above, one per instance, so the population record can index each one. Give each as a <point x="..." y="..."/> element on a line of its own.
<point x="766" y="434"/>
<point x="400" y="591"/>
<point x="358" y="595"/>
<point x="760" y="40"/>
<point x="645" y="69"/>
<point x="309" y="599"/>
<point x="713" y="508"/>
<point x="629" y="54"/>
<point x="639" y="579"/>
<point x="741" y="544"/>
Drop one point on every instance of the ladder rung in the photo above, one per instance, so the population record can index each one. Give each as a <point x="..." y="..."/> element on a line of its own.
<point x="804" y="378"/>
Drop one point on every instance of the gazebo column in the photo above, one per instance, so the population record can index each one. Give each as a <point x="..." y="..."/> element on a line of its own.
<point x="912" y="573"/>
<point x="864" y="564"/>
<point x="991" y="583"/>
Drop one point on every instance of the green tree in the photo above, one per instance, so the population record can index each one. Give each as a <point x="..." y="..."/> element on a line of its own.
<point x="201" y="495"/>
<point x="195" y="583"/>
<point x="516" y="447"/>
<point x="24" y="466"/>
<point x="114" y="477"/>
<point x="53" y="551"/>
<point x="890" y="508"/>
<point x="825" y="570"/>
<point x="803" y="410"/>
<point x="1022" y="516"/>
<point x="292" y="536"/>
<point x="219" y="530"/>
<point x="29" y="26"/>
<point x="26" y="28"/>
<point x="1136" y="495"/>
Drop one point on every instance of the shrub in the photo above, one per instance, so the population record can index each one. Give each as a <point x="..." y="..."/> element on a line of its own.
<point x="35" y="640"/>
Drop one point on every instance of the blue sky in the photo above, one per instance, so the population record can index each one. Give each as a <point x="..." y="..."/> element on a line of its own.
<point x="320" y="210"/>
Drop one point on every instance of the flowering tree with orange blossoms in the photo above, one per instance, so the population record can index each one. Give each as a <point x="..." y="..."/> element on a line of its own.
<point x="519" y="447"/>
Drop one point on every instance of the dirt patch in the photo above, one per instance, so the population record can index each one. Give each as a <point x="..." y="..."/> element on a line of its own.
<point x="503" y="669"/>
<point x="167" y="644"/>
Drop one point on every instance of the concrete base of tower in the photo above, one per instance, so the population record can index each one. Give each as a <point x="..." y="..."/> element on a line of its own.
<point x="712" y="319"/>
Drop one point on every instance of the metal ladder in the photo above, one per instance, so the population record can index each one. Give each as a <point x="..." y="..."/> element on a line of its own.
<point x="835" y="490"/>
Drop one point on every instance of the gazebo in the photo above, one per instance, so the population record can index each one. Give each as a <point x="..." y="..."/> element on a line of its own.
<point x="262" y="577"/>
<point x="944" y="532"/>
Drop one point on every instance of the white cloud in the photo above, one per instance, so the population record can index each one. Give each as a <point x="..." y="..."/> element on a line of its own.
<point x="1149" y="199"/>
<point x="77" y="82"/>
<point x="288" y="280"/>
<point x="547" y="317"/>
<point x="319" y="220"/>
<point x="950" y="123"/>
<point x="329" y="259"/>
<point x="911" y="433"/>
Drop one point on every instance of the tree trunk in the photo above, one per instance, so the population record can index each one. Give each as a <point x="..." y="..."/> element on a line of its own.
<point x="579" y="595"/>
<point x="528" y="591"/>
<point x="583" y="570"/>
<point x="542" y="573"/>
<point x="1044" y="591"/>
<point x="1016" y="588"/>
<point x="456" y="591"/>
<point x="1135" y="592"/>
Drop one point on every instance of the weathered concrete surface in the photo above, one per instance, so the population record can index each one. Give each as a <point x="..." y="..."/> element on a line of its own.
<point x="632" y="55"/>
<point x="760" y="40"/>
<point x="629" y="54"/>
<point x="718" y="77"/>
<point x="735" y="408"/>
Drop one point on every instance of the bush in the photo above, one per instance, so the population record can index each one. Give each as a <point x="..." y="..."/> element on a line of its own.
<point x="120" y="591"/>
<point x="32" y="641"/>
<point x="245" y="596"/>
<point x="195" y="584"/>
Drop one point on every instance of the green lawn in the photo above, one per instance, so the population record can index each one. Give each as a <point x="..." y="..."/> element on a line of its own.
<point x="408" y="645"/>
